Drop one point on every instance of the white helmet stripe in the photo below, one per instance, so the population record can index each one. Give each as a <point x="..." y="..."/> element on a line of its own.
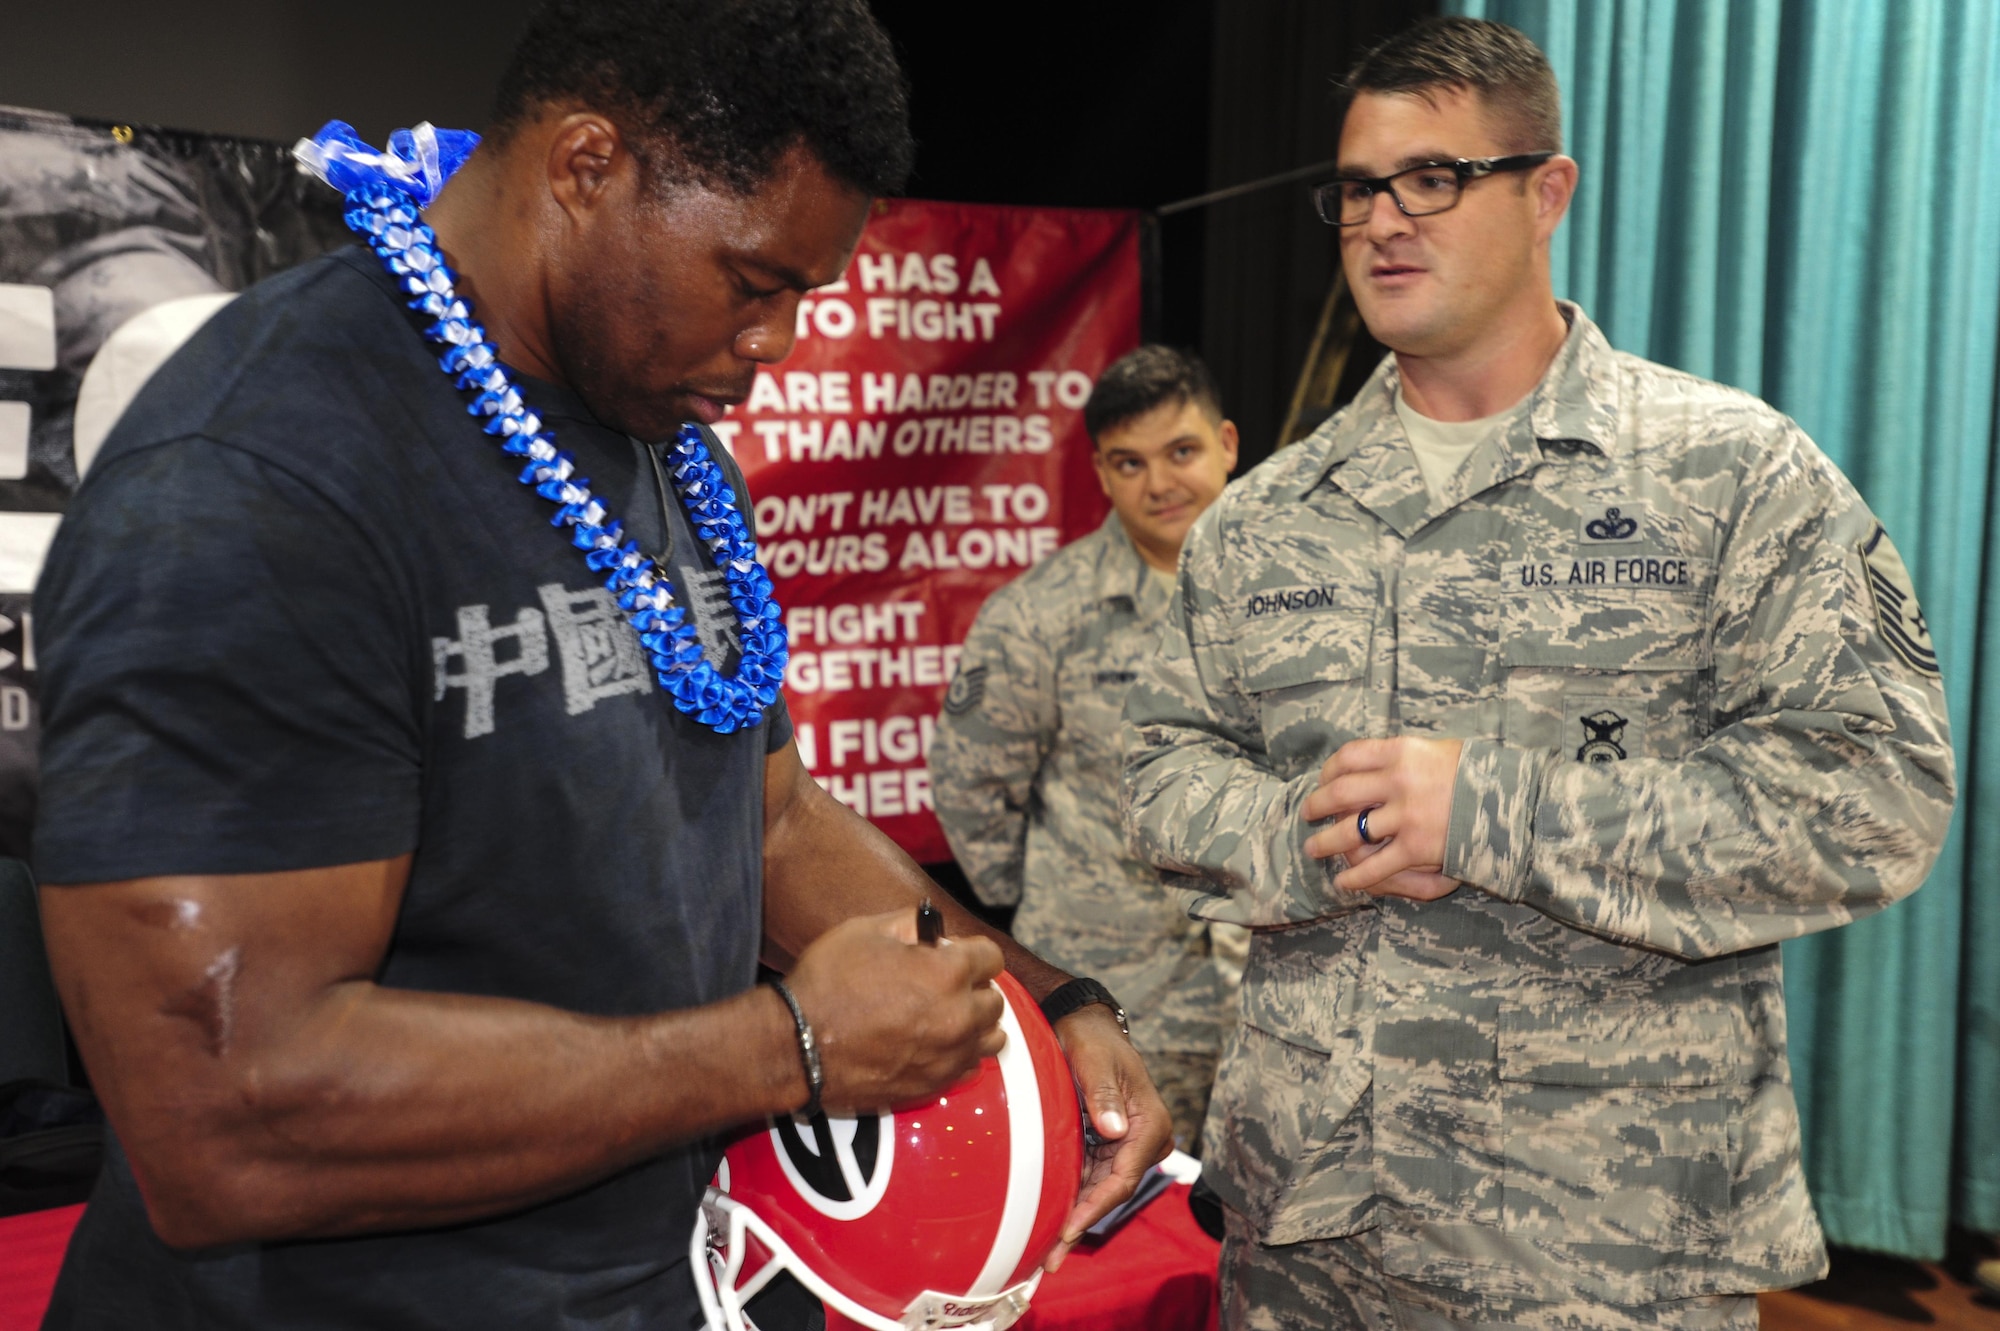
<point x="850" y="1168"/>
<point x="1024" y="1159"/>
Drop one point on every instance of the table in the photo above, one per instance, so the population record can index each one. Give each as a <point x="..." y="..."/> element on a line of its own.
<point x="1156" y="1274"/>
<point x="31" y="1248"/>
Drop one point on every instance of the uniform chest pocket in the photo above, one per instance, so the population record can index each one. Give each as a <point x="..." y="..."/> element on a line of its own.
<point x="1603" y="675"/>
<point x="1307" y="673"/>
<point x="1090" y="696"/>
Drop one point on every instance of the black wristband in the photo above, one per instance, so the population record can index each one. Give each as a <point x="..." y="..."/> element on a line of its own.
<point x="808" y="1049"/>
<point x="1082" y="993"/>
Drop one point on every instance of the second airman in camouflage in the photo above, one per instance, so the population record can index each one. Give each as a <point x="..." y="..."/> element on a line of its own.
<point x="1521" y="711"/>
<point x="1024" y="766"/>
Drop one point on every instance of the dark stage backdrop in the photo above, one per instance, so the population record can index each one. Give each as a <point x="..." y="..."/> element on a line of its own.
<point x="273" y="69"/>
<point x="1103" y="103"/>
<point x="1269" y="260"/>
<point x="1138" y="103"/>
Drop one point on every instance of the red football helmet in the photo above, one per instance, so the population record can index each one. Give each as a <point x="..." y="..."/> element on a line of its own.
<point x="935" y="1214"/>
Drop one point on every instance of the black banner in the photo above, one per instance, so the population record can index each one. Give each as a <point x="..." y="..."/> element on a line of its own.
<point x="108" y="229"/>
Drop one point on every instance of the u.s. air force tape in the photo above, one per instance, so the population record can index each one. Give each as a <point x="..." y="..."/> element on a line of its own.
<point x="1897" y="613"/>
<point x="1661" y="573"/>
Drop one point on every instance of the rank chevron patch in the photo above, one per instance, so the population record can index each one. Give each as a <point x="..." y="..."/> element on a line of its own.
<point x="1897" y="613"/>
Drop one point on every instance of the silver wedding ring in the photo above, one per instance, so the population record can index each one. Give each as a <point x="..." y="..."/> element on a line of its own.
<point x="1361" y="826"/>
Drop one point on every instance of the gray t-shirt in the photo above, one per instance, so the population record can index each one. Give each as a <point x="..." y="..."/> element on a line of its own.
<point x="1443" y="446"/>
<point x="302" y="614"/>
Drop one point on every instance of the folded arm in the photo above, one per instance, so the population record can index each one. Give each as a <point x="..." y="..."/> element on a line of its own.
<point x="1822" y="795"/>
<point x="1202" y="803"/>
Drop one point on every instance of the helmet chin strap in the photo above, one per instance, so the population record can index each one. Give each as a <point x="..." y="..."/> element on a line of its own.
<point x="715" y="1281"/>
<point x="721" y="1299"/>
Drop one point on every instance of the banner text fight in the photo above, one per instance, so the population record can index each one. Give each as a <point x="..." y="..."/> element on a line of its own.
<point x="923" y="444"/>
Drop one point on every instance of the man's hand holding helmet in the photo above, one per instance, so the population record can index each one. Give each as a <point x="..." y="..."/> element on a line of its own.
<point x="941" y="1207"/>
<point x="895" y="1021"/>
<point x="1126" y="1113"/>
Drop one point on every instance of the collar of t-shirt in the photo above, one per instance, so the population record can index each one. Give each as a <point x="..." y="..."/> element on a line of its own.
<point x="1443" y="446"/>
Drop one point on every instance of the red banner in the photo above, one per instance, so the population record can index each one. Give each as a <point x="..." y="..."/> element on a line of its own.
<point x="922" y="446"/>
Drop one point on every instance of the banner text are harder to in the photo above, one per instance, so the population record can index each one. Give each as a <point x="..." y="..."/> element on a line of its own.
<point x="923" y="445"/>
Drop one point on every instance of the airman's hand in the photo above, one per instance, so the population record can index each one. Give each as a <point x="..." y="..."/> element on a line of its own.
<point x="1404" y="787"/>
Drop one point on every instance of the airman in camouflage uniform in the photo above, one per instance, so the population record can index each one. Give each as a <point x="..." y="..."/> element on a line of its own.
<point x="1025" y="762"/>
<point x="1689" y="708"/>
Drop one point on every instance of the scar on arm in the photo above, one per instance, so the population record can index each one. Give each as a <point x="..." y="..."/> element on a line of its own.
<point x="177" y="913"/>
<point x="211" y="1005"/>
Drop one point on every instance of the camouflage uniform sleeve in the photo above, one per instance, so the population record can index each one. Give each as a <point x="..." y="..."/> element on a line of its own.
<point x="1202" y="802"/>
<point x="997" y="725"/>
<point x="1821" y="795"/>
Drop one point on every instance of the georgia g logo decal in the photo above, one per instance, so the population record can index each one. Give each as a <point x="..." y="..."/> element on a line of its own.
<point x="839" y="1165"/>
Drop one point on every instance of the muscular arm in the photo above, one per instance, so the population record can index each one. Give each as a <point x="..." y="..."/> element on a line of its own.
<point x="265" y="1086"/>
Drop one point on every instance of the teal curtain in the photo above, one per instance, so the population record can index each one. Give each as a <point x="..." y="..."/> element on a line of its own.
<point x="1802" y="198"/>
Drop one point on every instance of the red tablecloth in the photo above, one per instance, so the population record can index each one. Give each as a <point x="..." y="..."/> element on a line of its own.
<point x="1156" y="1274"/>
<point x="31" y="1248"/>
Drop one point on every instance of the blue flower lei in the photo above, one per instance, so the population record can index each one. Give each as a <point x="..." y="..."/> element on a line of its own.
<point x="386" y="193"/>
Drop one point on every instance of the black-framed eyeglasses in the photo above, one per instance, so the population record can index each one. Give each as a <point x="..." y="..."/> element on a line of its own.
<point x="1435" y="187"/>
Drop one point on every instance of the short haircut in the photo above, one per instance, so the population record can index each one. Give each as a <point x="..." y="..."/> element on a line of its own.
<point x="1142" y="380"/>
<point x="1502" y="64"/>
<point x="718" y="90"/>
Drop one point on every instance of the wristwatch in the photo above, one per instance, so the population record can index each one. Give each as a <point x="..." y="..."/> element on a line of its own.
<point x="1078" y="993"/>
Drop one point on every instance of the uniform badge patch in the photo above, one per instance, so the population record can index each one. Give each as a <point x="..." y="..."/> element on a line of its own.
<point x="1897" y="613"/>
<point x="1603" y="730"/>
<point x="968" y="688"/>
<point x="1616" y="524"/>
